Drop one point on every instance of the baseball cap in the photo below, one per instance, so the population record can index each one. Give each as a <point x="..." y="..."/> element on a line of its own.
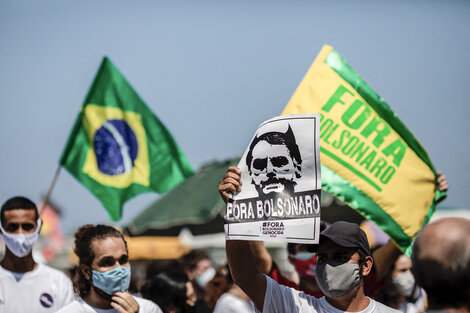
<point x="346" y="234"/>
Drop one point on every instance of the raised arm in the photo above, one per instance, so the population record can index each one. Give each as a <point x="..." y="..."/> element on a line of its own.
<point x="244" y="273"/>
<point x="384" y="259"/>
<point x="240" y="259"/>
<point x="263" y="260"/>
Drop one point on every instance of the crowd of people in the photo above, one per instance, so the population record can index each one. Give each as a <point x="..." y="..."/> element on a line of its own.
<point x="340" y="274"/>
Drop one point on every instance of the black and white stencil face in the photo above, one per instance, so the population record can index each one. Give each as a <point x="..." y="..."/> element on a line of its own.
<point x="274" y="162"/>
<point x="272" y="168"/>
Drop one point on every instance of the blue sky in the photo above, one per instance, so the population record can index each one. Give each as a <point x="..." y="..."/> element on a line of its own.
<point x="212" y="71"/>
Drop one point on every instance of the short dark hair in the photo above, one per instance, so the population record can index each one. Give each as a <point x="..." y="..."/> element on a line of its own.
<point x="83" y="240"/>
<point x="168" y="290"/>
<point x="190" y="260"/>
<point x="277" y="138"/>
<point x="362" y="256"/>
<point x="18" y="203"/>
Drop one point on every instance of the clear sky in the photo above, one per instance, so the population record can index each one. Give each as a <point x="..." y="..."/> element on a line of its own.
<point x="212" y="71"/>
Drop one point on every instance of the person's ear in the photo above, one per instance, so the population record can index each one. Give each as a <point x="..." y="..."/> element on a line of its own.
<point x="86" y="271"/>
<point x="366" y="266"/>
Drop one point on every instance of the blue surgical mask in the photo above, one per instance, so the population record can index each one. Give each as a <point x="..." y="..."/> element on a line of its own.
<point x="303" y="256"/>
<point x="203" y="279"/>
<point x="117" y="279"/>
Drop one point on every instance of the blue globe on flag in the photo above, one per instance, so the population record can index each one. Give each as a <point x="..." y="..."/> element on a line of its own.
<point x="115" y="147"/>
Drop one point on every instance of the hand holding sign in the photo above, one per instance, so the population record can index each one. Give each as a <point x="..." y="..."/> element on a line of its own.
<point x="280" y="173"/>
<point x="231" y="183"/>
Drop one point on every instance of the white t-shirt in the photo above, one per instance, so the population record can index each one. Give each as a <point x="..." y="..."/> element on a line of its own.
<point x="44" y="289"/>
<point x="408" y="307"/>
<point x="279" y="298"/>
<point x="80" y="306"/>
<point x="229" y="303"/>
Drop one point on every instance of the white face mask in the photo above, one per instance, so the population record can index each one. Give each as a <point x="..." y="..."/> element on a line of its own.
<point x="404" y="282"/>
<point x="21" y="244"/>
<point x="205" y="277"/>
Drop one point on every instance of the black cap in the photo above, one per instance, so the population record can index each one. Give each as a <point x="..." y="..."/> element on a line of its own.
<point x="346" y="234"/>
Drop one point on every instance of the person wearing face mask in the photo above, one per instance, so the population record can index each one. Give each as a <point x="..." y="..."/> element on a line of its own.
<point x="104" y="274"/>
<point x="343" y="262"/>
<point x="27" y="286"/>
<point x="198" y="267"/>
<point x="401" y="291"/>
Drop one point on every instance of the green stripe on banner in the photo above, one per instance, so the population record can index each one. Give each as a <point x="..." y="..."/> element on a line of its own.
<point x="350" y="167"/>
<point x="358" y="200"/>
<point x="339" y="65"/>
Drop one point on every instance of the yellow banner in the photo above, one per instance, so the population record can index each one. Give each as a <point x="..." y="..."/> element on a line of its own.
<point x="363" y="148"/>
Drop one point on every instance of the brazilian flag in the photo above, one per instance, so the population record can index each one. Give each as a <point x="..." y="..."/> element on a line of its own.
<point x="369" y="158"/>
<point x="118" y="148"/>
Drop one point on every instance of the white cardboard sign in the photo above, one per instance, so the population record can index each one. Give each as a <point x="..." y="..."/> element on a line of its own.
<point x="280" y="195"/>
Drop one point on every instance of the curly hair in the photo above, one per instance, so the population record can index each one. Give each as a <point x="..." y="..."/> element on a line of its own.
<point x="83" y="240"/>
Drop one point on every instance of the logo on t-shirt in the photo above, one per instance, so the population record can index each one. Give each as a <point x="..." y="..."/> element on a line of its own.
<point x="46" y="300"/>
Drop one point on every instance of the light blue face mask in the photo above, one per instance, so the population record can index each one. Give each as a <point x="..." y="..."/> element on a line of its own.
<point x="303" y="256"/>
<point x="117" y="279"/>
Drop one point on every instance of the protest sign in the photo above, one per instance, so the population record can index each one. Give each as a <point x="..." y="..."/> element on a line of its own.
<point x="280" y="195"/>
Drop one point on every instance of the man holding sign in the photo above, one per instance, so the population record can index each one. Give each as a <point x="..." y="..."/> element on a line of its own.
<point x="280" y="200"/>
<point x="343" y="262"/>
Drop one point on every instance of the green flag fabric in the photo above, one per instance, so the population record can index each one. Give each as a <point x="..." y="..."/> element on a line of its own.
<point x="118" y="148"/>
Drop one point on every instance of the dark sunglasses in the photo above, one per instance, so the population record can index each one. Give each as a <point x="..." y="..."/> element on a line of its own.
<point x="13" y="227"/>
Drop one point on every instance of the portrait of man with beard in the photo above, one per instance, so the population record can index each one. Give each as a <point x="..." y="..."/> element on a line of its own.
<point x="274" y="163"/>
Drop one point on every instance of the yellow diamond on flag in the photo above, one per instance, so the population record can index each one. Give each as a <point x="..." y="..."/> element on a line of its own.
<point x="102" y="126"/>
